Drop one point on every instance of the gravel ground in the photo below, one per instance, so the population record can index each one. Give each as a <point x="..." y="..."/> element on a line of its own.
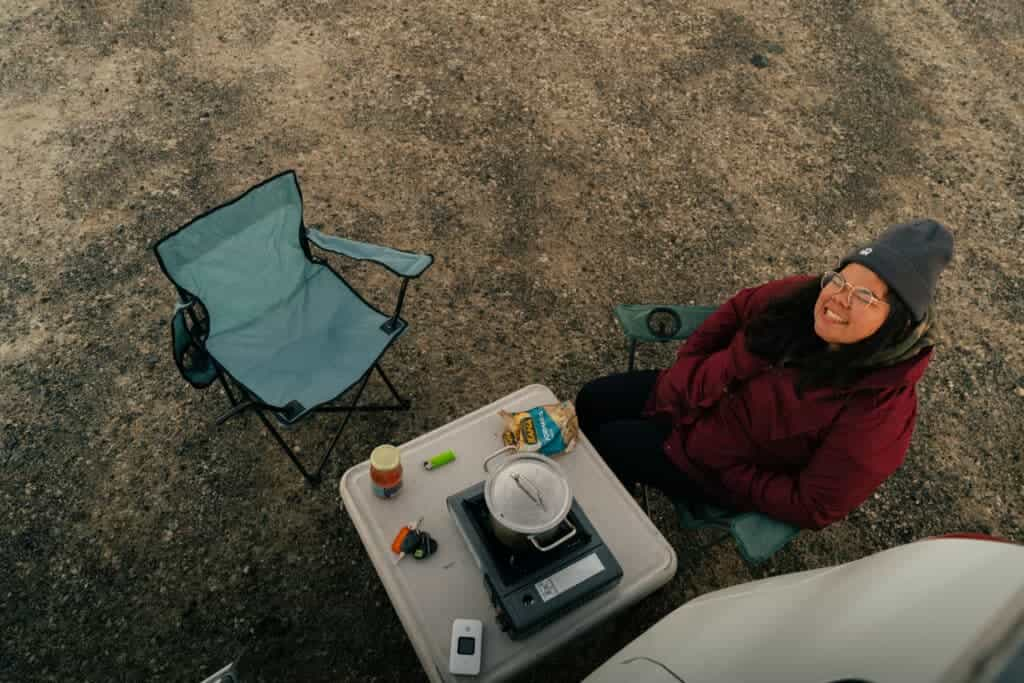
<point x="556" y="158"/>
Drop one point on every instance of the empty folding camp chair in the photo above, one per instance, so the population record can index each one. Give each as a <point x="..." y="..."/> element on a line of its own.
<point x="256" y="307"/>
<point x="757" y="535"/>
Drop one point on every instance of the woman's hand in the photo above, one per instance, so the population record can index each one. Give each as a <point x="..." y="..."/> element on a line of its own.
<point x="743" y="363"/>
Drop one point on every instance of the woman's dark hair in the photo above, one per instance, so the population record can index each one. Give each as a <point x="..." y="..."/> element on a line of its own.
<point x="785" y="331"/>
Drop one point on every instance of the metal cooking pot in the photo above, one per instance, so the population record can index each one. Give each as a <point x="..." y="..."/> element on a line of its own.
<point x="528" y="500"/>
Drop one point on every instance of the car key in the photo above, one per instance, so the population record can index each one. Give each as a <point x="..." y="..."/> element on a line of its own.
<point x="405" y="540"/>
<point x="427" y="546"/>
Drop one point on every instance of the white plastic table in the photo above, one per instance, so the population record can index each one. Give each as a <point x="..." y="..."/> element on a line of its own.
<point x="428" y="595"/>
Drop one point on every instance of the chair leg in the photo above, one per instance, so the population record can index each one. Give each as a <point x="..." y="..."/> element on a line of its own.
<point x="314" y="478"/>
<point x="238" y="406"/>
<point x="235" y="410"/>
<point x="403" y="403"/>
<point x="344" y="423"/>
<point x="227" y="389"/>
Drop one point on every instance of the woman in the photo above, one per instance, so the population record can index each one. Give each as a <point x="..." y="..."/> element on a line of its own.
<point x="796" y="398"/>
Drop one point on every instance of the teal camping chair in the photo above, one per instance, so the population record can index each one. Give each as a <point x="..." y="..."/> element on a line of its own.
<point x="256" y="307"/>
<point x="757" y="536"/>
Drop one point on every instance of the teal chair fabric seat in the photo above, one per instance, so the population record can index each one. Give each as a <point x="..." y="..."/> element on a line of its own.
<point x="258" y="308"/>
<point x="323" y="337"/>
<point x="757" y="536"/>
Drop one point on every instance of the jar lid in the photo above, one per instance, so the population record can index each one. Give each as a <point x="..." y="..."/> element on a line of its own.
<point x="385" y="457"/>
<point x="528" y="493"/>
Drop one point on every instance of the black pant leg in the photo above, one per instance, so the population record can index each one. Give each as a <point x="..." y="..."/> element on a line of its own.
<point x="615" y="397"/>
<point x="634" y="451"/>
<point x="610" y="414"/>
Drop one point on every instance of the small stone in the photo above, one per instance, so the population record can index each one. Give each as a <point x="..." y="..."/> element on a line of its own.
<point x="1019" y="391"/>
<point x="759" y="60"/>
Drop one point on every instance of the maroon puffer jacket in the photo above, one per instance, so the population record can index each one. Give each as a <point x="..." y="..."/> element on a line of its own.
<point x="742" y="433"/>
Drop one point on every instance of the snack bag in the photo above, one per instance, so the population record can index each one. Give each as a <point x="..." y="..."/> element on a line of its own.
<point x="549" y="429"/>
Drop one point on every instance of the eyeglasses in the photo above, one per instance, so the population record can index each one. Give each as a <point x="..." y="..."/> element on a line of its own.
<point x="859" y="296"/>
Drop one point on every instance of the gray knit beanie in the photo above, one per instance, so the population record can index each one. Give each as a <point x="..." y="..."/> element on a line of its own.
<point x="909" y="257"/>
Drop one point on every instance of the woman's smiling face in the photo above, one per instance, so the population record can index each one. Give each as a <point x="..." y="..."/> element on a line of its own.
<point x="840" y="317"/>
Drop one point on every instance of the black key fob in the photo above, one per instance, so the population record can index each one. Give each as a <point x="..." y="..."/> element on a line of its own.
<point x="427" y="547"/>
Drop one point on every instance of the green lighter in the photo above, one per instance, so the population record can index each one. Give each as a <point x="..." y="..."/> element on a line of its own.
<point x="439" y="460"/>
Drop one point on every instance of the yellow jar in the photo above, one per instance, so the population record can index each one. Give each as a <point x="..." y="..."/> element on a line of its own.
<point x="386" y="471"/>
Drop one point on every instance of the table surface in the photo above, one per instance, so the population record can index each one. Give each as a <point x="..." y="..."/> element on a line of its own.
<point x="428" y="595"/>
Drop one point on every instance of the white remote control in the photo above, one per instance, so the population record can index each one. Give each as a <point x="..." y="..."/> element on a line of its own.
<point x="467" y="644"/>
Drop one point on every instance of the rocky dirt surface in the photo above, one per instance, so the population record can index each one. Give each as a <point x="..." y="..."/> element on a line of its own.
<point x="556" y="158"/>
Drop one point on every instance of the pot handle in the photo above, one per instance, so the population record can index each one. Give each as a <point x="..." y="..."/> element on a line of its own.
<point x="537" y="496"/>
<point x="495" y="454"/>
<point x="563" y="539"/>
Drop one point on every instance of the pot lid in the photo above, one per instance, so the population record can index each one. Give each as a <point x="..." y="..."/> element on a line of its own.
<point x="528" y="493"/>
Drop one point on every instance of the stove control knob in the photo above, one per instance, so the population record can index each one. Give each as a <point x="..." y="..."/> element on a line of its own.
<point x="504" y="621"/>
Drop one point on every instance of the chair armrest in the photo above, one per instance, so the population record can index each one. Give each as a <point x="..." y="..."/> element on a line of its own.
<point x="404" y="263"/>
<point x="633" y="318"/>
<point x="190" y="355"/>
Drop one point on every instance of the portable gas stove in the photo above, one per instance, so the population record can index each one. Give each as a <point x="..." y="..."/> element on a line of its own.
<point x="530" y="589"/>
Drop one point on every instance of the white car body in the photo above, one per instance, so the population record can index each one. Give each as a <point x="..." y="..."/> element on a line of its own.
<point x="943" y="609"/>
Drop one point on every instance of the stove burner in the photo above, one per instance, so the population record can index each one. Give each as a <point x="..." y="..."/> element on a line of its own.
<point x="513" y="566"/>
<point x="532" y="588"/>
